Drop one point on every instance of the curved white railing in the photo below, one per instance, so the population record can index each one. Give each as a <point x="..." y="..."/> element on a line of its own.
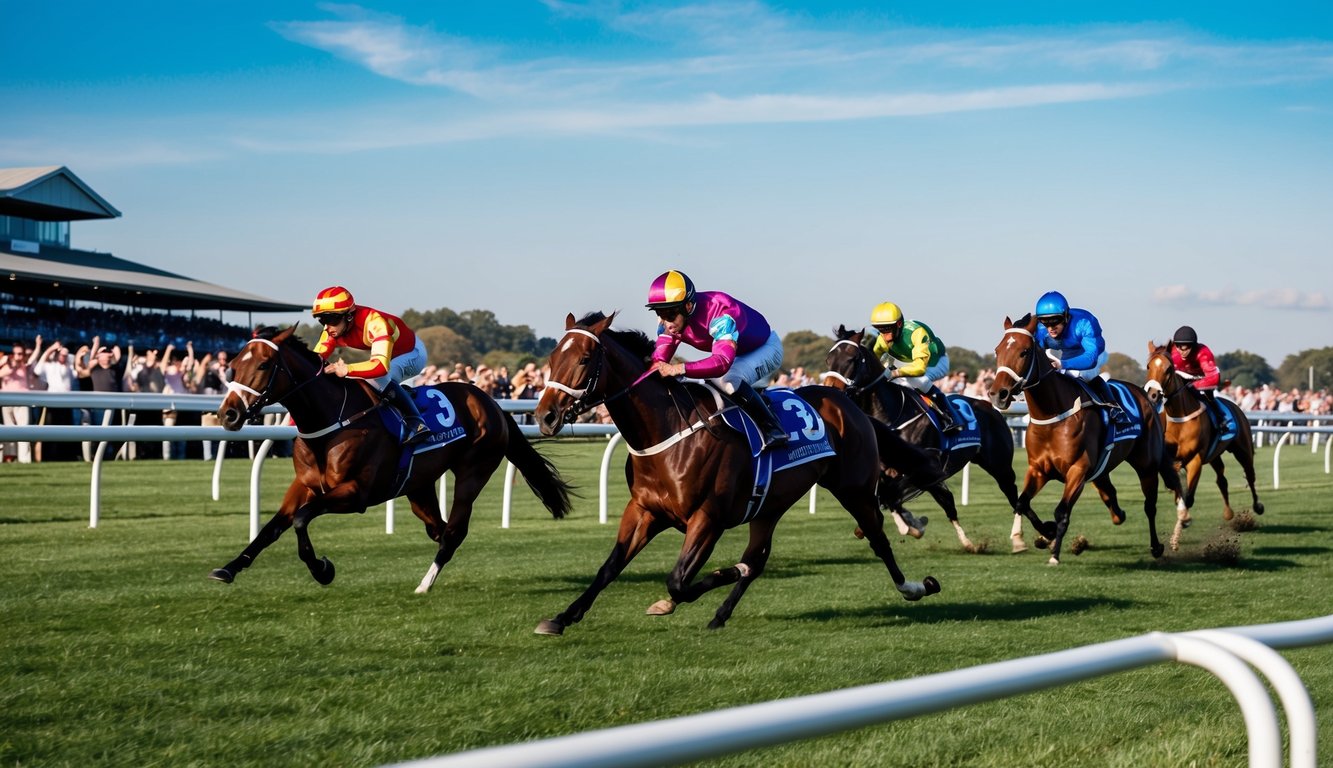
<point x="1224" y="653"/>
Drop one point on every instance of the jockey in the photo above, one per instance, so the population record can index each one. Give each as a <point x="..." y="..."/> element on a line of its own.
<point x="1073" y="341"/>
<point x="922" y="355"/>
<point x="395" y="351"/>
<point x="1195" y="362"/>
<point x="744" y="348"/>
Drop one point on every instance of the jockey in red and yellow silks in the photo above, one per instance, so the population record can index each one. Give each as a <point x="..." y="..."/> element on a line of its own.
<point x="395" y="351"/>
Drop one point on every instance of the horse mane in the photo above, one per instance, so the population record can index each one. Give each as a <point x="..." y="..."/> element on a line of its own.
<point x="637" y="342"/>
<point x="296" y="343"/>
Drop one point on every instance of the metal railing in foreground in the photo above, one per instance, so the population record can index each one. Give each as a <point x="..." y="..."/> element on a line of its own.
<point x="1227" y="653"/>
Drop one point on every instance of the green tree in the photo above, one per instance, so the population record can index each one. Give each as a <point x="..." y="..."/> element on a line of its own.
<point x="1123" y="367"/>
<point x="1296" y="370"/>
<point x="444" y="346"/>
<point x="1245" y="369"/>
<point x="806" y="349"/>
<point x="962" y="359"/>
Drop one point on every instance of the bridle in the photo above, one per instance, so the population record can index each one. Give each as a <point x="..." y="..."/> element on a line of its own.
<point x="1031" y="376"/>
<point x="858" y="371"/>
<point x="1174" y="375"/>
<point x="264" y="397"/>
<point x="582" y="400"/>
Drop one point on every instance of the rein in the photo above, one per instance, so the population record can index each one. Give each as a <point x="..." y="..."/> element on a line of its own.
<point x="1032" y="377"/>
<point x="852" y="388"/>
<point x="1167" y="397"/>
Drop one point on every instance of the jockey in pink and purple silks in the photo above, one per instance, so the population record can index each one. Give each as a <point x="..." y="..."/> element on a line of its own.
<point x="744" y="348"/>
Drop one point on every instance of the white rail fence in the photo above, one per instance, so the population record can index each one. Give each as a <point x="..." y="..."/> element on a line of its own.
<point x="1262" y="423"/>
<point x="1230" y="654"/>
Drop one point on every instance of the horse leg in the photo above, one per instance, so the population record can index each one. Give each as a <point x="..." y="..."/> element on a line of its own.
<point x="750" y="567"/>
<point x="701" y="535"/>
<point x="320" y="568"/>
<point x="1063" y="510"/>
<point x="638" y="526"/>
<point x="297" y="495"/>
<point x="1033" y="482"/>
<point x="1220" y="469"/>
<point x="1003" y="474"/>
<point x="450" y="535"/>
<point x="944" y="497"/>
<point x="1244" y="452"/>
<point x="866" y="516"/>
<point x="1192" y="472"/>
<point x="1110" y="498"/>
<point x="1016" y="534"/>
<point x="1148" y="482"/>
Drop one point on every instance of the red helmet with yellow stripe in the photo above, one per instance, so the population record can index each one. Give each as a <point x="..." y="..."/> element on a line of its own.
<point x="336" y="300"/>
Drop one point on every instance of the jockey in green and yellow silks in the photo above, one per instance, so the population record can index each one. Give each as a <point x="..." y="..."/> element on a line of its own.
<point x="919" y="358"/>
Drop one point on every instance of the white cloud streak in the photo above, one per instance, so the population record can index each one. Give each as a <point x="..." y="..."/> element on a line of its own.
<point x="1272" y="298"/>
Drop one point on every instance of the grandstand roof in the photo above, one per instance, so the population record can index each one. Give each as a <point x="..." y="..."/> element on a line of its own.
<point x="50" y="193"/>
<point x="54" y="193"/>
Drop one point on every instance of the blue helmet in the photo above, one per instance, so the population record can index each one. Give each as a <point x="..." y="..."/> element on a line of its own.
<point x="1052" y="304"/>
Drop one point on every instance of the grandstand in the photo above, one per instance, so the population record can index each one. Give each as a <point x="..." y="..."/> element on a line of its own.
<point x="51" y="289"/>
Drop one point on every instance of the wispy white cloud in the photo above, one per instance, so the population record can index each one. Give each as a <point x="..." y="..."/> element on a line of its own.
<point x="1272" y="298"/>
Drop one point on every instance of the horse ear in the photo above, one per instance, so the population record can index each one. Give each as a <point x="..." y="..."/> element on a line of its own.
<point x="1152" y="347"/>
<point x="569" y="321"/>
<point x="286" y="334"/>
<point x="603" y="324"/>
<point x="1008" y="323"/>
<point x="840" y="332"/>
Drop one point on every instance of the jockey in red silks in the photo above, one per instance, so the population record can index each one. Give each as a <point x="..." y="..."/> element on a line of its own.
<point x="1195" y="362"/>
<point x="744" y="348"/>
<point x="395" y="351"/>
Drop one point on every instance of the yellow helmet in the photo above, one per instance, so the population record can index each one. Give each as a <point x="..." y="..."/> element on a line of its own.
<point x="887" y="313"/>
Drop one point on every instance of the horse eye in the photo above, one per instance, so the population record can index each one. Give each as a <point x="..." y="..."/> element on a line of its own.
<point x="264" y="366"/>
<point x="586" y="359"/>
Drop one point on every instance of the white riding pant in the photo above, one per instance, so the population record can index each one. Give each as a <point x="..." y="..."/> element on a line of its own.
<point x="753" y="366"/>
<point x="923" y="382"/>
<point x="403" y="367"/>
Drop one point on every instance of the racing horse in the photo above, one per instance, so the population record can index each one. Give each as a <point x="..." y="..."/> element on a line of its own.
<point x="853" y="368"/>
<point x="1068" y="437"/>
<point x="1192" y="436"/>
<point x="688" y="471"/>
<point x="348" y="454"/>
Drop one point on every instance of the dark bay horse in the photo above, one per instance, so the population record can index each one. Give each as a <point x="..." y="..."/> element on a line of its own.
<point x="688" y="471"/>
<point x="347" y="460"/>
<point x="853" y="368"/>
<point x="1192" y="437"/>
<point x="1067" y="435"/>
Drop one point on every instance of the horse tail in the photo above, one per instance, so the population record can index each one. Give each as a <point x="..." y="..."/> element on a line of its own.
<point x="541" y="475"/>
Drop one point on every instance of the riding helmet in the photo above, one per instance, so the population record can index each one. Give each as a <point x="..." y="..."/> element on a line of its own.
<point x="1185" y="335"/>
<point x="333" y="300"/>
<point x="1051" y="304"/>
<point x="886" y="313"/>
<point x="670" y="289"/>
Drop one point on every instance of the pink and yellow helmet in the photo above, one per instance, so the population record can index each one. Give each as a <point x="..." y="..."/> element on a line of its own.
<point x="333" y="300"/>
<point x="670" y="289"/>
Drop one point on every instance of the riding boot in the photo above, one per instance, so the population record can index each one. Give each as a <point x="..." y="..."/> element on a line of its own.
<point x="948" y="424"/>
<point x="750" y="401"/>
<point x="1101" y="391"/>
<point x="415" y="426"/>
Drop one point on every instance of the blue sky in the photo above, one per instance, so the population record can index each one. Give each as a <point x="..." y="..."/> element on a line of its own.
<point x="1159" y="163"/>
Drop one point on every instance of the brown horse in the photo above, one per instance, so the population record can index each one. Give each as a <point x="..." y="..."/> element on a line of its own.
<point x="853" y="368"/>
<point x="1193" y="436"/>
<point x="1066" y="437"/>
<point x="346" y="459"/>
<point x="688" y="471"/>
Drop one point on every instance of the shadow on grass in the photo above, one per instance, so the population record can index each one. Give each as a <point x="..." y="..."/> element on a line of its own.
<point x="934" y="613"/>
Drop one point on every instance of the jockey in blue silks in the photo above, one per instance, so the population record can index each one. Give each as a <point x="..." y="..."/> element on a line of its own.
<point x="1073" y="340"/>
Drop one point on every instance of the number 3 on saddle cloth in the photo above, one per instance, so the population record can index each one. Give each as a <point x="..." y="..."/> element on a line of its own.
<point x="438" y="413"/>
<point x="969" y="432"/>
<point x="807" y="440"/>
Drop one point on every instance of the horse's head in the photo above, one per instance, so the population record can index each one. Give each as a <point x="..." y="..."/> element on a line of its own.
<point x="848" y="364"/>
<point x="577" y="365"/>
<point x="1161" y="371"/>
<point x="1016" y="361"/>
<point x="261" y="375"/>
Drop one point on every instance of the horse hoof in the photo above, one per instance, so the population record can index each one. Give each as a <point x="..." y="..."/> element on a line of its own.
<point x="1042" y="542"/>
<point x="1053" y="561"/>
<point x="1018" y="547"/>
<point x="1048" y="531"/>
<point x="1258" y="508"/>
<point x="222" y="574"/>
<point x="326" y="572"/>
<point x="915" y="533"/>
<point x="661" y="608"/>
<point x="549" y="627"/>
<point x="858" y="533"/>
<point x="1157" y="551"/>
<point x="931" y="584"/>
<point x="1227" y="514"/>
<point x="1117" y="518"/>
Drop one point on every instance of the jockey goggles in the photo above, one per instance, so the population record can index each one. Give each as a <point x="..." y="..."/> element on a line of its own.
<point x="330" y="318"/>
<point x="1051" y="320"/>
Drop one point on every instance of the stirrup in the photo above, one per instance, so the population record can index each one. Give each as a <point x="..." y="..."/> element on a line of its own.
<point x="417" y="433"/>
<point x="773" y="440"/>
